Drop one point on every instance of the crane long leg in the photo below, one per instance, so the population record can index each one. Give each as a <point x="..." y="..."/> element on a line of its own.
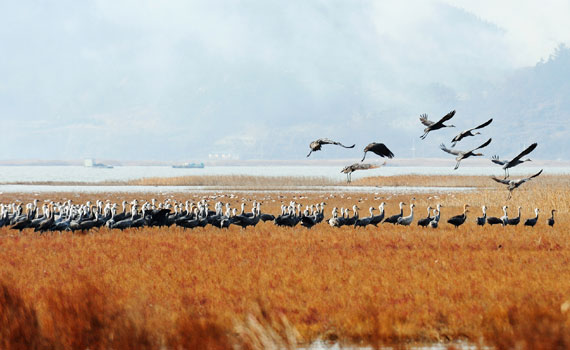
<point x="309" y="153"/>
<point x="363" y="157"/>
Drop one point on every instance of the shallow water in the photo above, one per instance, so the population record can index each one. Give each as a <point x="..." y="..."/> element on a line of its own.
<point x="209" y="189"/>
<point x="11" y="174"/>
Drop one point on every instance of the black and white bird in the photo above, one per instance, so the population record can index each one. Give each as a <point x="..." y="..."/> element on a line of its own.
<point x="514" y="184"/>
<point x="493" y="220"/>
<point x="318" y="144"/>
<point x="482" y="219"/>
<point x="464" y="154"/>
<point x="468" y="132"/>
<point x="431" y="126"/>
<point x="394" y="218"/>
<point x="550" y="220"/>
<point x="379" y="149"/>
<point x="516" y="220"/>
<point x="425" y="221"/>
<point x="532" y="221"/>
<point x="458" y="220"/>
<point x="507" y="164"/>
<point x="436" y="215"/>
<point x="407" y="220"/>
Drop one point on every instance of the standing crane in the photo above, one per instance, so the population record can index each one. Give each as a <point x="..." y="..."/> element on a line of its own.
<point x="458" y="220"/>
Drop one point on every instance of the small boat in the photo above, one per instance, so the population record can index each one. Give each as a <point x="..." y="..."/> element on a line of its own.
<point x="189" y="166"/>
<point x="90" y="163"/>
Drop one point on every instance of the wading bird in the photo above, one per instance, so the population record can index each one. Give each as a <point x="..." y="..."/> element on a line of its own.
<point x="348" y="170"/>
<point x="394" y="218"/>
<point x="425" y="221"/>
<point x="513" y="184"/>
<point x="468" y="132"/>
<point x="550" y="220"/>
<point x="431" y="126"/>
<point x="532" y="221"/>
<point x="407" y="220"/>
<point x="378" y="218"/>
<point x="367" y="220"/>
<point x="493" y="220"/>
<point x="458" y="220"/>
<point x="515" y="161"/>
<point x="464" y="154"/>
<point x="435" y="221"/>
<point x="317" y="144"/>
<point x="379" y="149"/>
<point x="482" y="219"/>
<point x="516" y="220"/>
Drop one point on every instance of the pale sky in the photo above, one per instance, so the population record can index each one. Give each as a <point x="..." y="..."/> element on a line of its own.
<point x="177" y="80"/>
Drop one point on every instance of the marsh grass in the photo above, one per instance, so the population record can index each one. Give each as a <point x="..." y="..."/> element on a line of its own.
<point x="264" y="287"/>
<point x="289" y="182"/>
<point x="234" y="181"/>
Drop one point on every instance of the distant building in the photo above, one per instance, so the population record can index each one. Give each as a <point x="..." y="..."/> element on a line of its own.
<point x="223" y="156"/>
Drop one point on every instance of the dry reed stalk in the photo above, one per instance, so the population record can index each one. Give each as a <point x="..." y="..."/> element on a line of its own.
<point x="386" y="285"/>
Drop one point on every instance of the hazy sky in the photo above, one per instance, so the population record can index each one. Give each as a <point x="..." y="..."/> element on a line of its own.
<point x="177" y="80"/>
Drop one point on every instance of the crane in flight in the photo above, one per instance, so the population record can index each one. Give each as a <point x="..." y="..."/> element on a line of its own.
<point x="464" y="154"/>
<point x="430" y="125"/>
<point x="514" y="184"/>
<point x="317" y="144"/>
<point x="468" y="132"/>
<point x="515" y="161"/>
<point x="379" y="149"/>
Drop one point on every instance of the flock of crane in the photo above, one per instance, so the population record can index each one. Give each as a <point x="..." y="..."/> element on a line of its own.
<point x="67" y="216"/>
<point x="383" y="151"/>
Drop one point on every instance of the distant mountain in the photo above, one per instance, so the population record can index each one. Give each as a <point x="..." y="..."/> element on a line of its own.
<point x="529" y="105"/>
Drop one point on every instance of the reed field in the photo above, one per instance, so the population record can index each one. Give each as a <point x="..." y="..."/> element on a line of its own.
<point x="277" y="287"/>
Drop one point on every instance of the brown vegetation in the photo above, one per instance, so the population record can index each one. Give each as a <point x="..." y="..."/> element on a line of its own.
<point x="504" y="286"/>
